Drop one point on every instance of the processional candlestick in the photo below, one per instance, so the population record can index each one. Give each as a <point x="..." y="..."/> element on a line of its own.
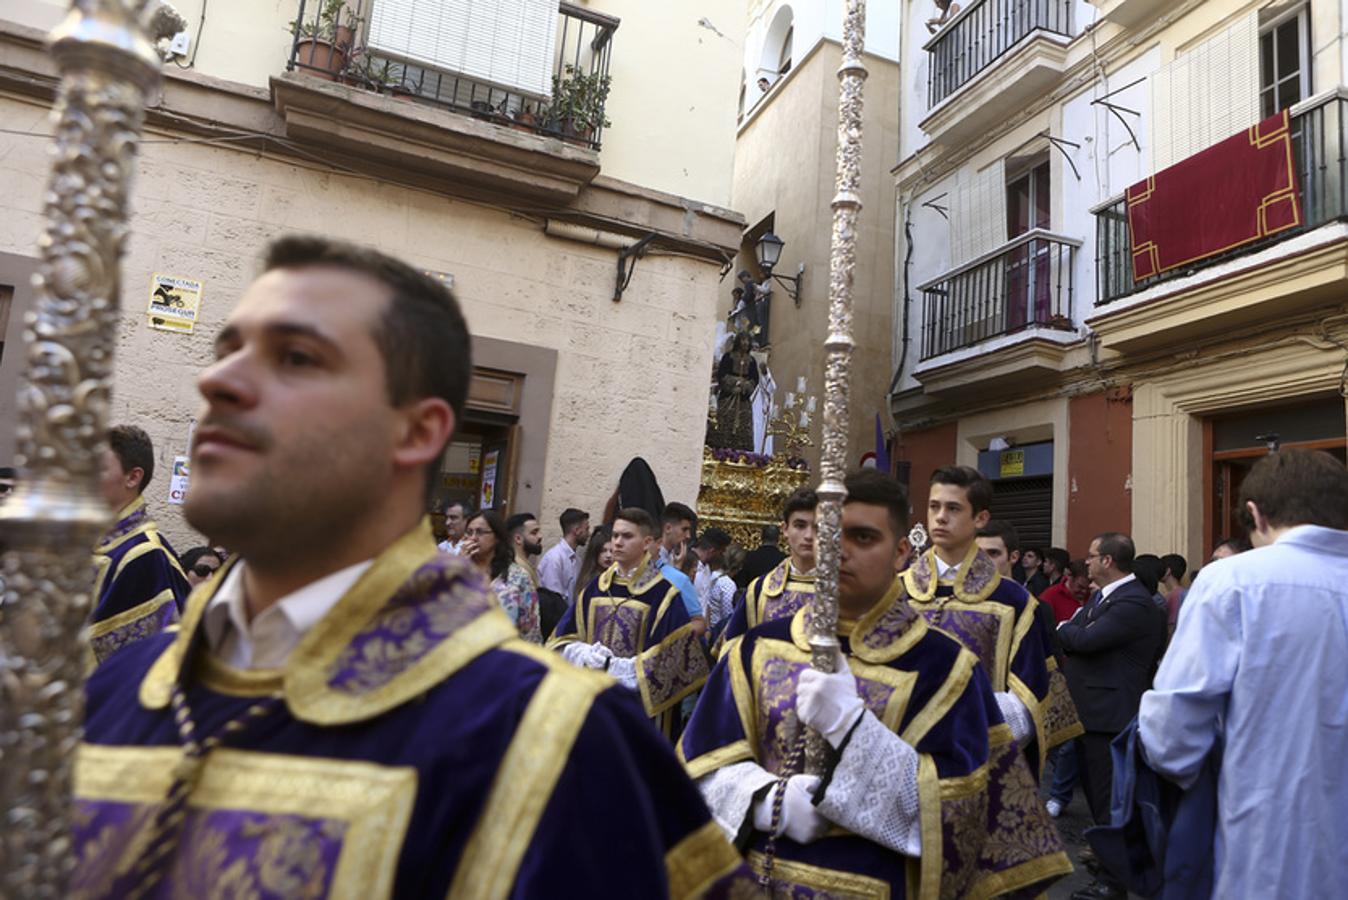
<point x="838" y="346"/>
<point x="107" y="53"/>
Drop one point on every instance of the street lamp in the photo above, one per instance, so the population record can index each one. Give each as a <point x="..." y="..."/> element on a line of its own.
<point x="769" y="253"/>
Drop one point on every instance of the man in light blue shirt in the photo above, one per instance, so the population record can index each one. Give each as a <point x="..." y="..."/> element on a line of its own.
<point x="677" y="524"/>
<point x="1256" y="667"/>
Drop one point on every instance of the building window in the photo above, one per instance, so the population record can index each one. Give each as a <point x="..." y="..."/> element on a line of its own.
<point x="1029" y="294"/>
<point x="1284" y="62"/>
<point x="784" y="58"/>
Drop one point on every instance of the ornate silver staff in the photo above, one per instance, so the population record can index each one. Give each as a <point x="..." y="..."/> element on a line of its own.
<point x="838" y="362"/>
<point x="106" y="51"/>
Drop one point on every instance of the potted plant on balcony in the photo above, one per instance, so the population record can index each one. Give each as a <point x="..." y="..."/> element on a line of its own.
<point x="323" y="45"/>
<point x="577" y="108"/>
<point x="373" y="73"/>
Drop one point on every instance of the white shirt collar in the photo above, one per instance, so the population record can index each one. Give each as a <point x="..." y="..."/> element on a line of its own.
<point x="1111" y="588"/>
<point x="267" y="641"/>
<point x="943" y="568"/>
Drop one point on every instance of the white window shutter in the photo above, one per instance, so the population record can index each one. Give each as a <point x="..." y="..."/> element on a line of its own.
<point x="1206" y="94"/>
<point x="978" y="215"/>
<point x="508" y="43"/>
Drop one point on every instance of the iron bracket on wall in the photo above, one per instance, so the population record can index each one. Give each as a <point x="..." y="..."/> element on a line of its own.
<point x="625" y="273"/>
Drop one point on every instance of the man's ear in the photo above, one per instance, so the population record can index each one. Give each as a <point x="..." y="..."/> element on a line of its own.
<point x="1260" y="521"/>
<point x="428" y="424"/>
<point x="982" y="518"/>
<point x="901" y="554"/>
<point x="1014" y="556"/>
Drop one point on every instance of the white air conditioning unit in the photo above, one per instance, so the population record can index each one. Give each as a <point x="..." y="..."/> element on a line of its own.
<point x="507" y="43"/>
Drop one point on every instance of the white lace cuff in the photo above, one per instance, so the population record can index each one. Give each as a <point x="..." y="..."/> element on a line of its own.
<point x="624" y="669"/>
<point x="1016" y="716"/>
<point x="729" y="792"/>
<point x="873" y="791"/>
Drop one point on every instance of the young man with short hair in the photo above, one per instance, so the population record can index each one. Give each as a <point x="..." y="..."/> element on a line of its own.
<point x="1172" y="586"/>
<point x="1055" y="564"/>
<point x="1253" y="681"/>
<point x="631" y="623"/>
<point x="457" y="515"/>
<point x="1036" y="579"/>
<point x="558" y="567"/>
<point x="925" y="792"/>
<point x="139" y="587"/>
<point x="677" y="524"/>
<point x="790" y="584"/>
<point x="345" y="708"/>
<point x="957" y="587"/>
<point x="526" y="540"/>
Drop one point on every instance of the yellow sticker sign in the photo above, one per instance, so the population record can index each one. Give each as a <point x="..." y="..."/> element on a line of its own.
<point x="174" y="303"/>
<point x="1012" y="463"/>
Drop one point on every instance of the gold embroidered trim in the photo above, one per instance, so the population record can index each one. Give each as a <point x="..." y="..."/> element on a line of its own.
<point x="944" y="698"/>
<point x="374" y="801"/>
<point x="699" y="860"/>
<point x="523" y="785"/>
<point x="1001" y="663"/>
<point x="132" y="615"/>
<point x="223" y="678"/>
<point x="830" y="881"/>
<point x="1023" y="875"/>
<point x="742" y="690"/>
<point x="929" y="818"/>
<point x="1022" y="692"/>
<point x="715" y="759"/>
<point x="670" y="645"/>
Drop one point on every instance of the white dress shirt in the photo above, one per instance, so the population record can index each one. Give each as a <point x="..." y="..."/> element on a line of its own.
<point x="1114" y="586"/>
<point x="267" y="641"/>
<point x="558" y="568"/>
<point x="454" y="547"/>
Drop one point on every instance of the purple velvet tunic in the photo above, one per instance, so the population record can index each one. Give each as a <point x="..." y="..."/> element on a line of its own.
<point x="983" y="828"/>
<point x="994" y="618"/>
<point x="139" y="588"/>
<point x="642" y="617"/>
<point x="413" y="746"/>
<point x="776" y="595"/>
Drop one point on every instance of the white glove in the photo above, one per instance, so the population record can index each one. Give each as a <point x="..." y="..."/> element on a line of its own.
<point x="800" y="820"/>
<point x="1016" y="716"/>
<point x="587" y="656"/>
<point x="624" y="669"/>
<point x="829" y="703"/>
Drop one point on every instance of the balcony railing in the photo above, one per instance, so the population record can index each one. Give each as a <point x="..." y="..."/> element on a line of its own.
<point x="334" y="48"/>
<point x="1318" y="153"/>
<point x="982" y="33"/>
<point x="1024" y="284"/>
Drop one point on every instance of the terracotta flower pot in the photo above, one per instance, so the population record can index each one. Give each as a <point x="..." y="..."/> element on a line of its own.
<point x="319" y="58"/>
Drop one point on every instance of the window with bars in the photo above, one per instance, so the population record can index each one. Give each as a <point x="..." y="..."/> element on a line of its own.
<point x="1284" y="62"/>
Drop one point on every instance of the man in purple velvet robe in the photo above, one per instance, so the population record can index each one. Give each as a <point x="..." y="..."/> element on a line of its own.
<point x="345" y="710"/>
<point x="957" y="588"/>
<point x="632" y="623"/>
<point x="925" y="794"/>
<point x="139" y="586"/>
<point x="790" y="584"/>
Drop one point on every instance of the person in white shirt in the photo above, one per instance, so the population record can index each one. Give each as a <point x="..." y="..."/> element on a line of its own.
<point x="1254" y="676"/>
<point x="557" y="569"/>
<point x="456" y="520"/>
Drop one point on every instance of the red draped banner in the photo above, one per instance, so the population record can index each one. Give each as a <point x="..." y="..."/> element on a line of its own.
<point x="1231" y="194"/>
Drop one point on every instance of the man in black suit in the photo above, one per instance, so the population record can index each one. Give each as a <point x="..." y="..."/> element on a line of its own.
<point x="1112" y="645"/>
<point x="763" y="559"/>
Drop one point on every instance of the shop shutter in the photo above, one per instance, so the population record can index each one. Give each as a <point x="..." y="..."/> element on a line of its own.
<point x="1027" y="503"/>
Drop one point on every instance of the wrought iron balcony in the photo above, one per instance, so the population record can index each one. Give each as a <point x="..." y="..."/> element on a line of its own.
<point x="1026" y="283"/>
<point x="332" y="41"/>
<point x="1320" y="156"/>
<point x="982" y="33"/>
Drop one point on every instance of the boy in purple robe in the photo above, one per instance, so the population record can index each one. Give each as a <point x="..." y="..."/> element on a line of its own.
<point x="139" y="586"/>
<point x="925" y="794"/>
<point x="790" y="584"/>
<point x="345" y="710"/>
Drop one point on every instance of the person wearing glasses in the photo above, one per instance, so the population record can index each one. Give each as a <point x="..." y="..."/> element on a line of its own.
<point x="200" y="563"/>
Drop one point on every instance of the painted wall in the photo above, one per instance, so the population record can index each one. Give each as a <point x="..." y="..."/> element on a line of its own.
<point x="1100" y="469"/>
<point x="673" y="97"/>
<point x="799" y="122"/>
<point x="630" y="376"/>
<point x="927" y="450"/>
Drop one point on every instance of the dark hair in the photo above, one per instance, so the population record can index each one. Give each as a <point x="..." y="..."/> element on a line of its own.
<point x="677" y="512"/>
<point x="191" y="557"/>
<point x="802" y="499"/>
<point x="1118" y="547"/>
<point x="1000" y="528"/>
<point x="503" y="554"/>
<point x="638" y="517"/>
<point x="1149" y="570"/>
<point x="1037" y="551"/>
<point x="466" y="507"/>
<point x="1077" y="568"/>
<point x="1175" y="565"/>
<point x="1059" y="557"/>
<point x="975" y="483"/>
<point x="589" y="563"/>
<point x="716" y="537"/>
<point x="133" y="449"/>
<point x="422" y="336"/>
<point x="518" y="521"/>
<point x="875" y="488"/>
<point x="1297" y="487"/>
<point x="572" y="517"/>
<point x="770" y="535"/>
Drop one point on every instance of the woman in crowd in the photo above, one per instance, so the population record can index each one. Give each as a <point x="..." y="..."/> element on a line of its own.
<point x="485" y="542"/>
<point x="598" y="557"/>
